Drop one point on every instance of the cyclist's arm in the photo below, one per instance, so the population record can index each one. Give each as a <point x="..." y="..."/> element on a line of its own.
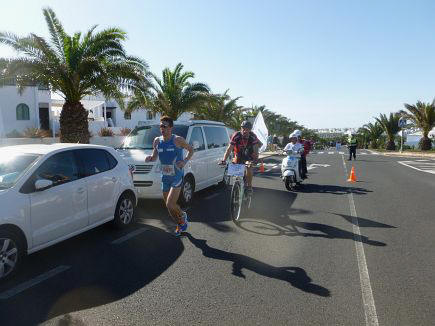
<point x="230" y="148"/>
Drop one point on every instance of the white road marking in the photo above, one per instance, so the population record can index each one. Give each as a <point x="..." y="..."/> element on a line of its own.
<point x="320" y="152"/>
<point x="422" y="160"/>
<point x="314" y="165"/>
<point x="273" y="167"/>
<point x="30" y="283"/>
<point x="211" y="196"/>
<point x="330" y="152"/>
<point x="129" y="236"/>
<point x="372" y="152"/>
<point x="366" y="288"/>
<point x="341" y="153"/>
<point x="363" y="153"/>
<point x="429" y="167"/>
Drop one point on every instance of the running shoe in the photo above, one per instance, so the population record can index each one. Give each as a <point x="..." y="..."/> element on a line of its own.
<point x="182" y="227"/>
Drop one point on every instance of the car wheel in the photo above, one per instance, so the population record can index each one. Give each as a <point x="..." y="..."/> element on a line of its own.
<point x="11" y="253"/>
<point x="125" y="209"/>
<point x="187" y="190"/>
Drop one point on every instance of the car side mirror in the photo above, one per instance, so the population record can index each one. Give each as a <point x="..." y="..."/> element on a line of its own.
<point x="43" y="184"/>
<point x="195" y="145"/>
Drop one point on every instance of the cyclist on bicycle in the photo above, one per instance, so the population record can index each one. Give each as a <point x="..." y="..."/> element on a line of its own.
<point x="245" y="145"/>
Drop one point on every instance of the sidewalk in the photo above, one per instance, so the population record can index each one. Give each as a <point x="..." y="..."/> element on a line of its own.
<point x="405" y="154"/>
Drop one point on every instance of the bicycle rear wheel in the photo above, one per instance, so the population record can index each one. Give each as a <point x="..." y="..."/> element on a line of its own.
<point x="236" y="201"/>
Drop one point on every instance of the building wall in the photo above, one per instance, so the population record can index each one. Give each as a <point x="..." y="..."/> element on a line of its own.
<point x="9" y="99"/>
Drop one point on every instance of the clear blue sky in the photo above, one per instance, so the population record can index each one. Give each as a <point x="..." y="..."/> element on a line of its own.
<point x="323" y="63"/>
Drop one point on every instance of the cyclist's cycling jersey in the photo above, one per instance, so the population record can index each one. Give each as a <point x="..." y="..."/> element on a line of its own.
<point x="243" y="147"/>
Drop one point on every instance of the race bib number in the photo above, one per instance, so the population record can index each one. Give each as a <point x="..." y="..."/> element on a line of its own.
<point x="168" y="169"/>
<point x="236" y="170"/>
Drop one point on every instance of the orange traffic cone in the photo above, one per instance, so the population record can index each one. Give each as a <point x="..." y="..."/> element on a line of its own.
<point x="261" y="167"/>
<point x="352" y="176"/>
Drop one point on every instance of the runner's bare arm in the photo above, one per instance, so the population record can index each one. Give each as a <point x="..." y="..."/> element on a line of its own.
<point x="181" y="142"/>
<point x="155" y="153"/>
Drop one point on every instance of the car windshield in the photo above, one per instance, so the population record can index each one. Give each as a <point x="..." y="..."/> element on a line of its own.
<point x="13" y="166"/>
<point x="143" y="137"/>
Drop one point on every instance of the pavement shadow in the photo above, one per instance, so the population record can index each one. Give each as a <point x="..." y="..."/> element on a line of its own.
<point x="364" y="222"/>
<point x="332" y="189"/>
<point x="296" y="276"/>
<point x="293" y="228"/>
<point x="100" y="273"/>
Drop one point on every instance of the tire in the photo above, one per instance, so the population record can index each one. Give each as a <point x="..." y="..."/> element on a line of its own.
<point x="125" y="211"/>
<point x="236" y="202"/>
<point x="288" y="184"/>
<point x="187" y="191"/>
<point x="11" y="254"/>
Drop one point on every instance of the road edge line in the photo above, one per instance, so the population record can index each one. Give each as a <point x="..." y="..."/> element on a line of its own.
<point x="366" y="288"/>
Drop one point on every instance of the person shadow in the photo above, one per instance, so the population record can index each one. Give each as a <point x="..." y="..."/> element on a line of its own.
<point x="296" y="276"/>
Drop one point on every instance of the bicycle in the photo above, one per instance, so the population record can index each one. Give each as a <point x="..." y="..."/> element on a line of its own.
<point x="240" y="201"/>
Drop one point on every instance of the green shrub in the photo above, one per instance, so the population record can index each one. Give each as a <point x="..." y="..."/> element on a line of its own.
<point x="105" y="132"/>
<point x="124" y="131"/>
<point x="14" y="134"/>
<point x="36" y="133"/>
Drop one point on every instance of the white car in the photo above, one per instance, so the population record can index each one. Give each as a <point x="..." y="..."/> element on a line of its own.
<point x="209" y="140"/>
<point x="49" y="193"/>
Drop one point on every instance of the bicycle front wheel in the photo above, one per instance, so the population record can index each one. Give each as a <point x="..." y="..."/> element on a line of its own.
<point x="236" y="201"/>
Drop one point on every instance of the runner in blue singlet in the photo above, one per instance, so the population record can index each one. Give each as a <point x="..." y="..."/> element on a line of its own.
<point x="169" y="149"/>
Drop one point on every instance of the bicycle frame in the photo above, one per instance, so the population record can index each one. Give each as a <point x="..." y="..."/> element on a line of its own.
<point x="238" y="197"/>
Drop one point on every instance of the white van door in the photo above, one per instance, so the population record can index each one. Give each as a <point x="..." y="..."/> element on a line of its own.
<point x="217" y="141"/>
<point x="198" y="163"/>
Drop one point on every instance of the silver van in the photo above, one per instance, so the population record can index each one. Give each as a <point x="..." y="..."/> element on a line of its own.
<point x="209" y="140"/>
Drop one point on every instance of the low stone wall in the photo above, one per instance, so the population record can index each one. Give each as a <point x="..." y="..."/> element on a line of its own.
<point x="114" y="141"/>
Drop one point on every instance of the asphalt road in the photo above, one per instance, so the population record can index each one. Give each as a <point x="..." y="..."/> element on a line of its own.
<point x="332" y="253"/>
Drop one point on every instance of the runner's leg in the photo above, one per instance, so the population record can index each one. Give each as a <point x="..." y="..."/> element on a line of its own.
<point x="171" y="203"/>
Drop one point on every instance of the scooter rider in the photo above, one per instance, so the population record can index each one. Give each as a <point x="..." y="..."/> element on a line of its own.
<point x="295" y="145"/>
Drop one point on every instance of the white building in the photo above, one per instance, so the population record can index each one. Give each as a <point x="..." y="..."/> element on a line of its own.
<point x="38" y="108"/>
<point x="30" y="109"/>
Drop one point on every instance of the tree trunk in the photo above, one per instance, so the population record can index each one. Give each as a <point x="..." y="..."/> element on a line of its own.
<point x="74" y="124"/>
<point x="425" y="144"/>
<point x="391" y="146"/>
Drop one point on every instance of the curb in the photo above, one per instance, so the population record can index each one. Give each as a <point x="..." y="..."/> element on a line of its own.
<point x="405" y="154"/>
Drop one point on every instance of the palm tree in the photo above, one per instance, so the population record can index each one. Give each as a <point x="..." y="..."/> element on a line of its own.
<point x="75" y="66"/>
<point x="374" y="132"/>
<point x="172" y="95"/>
<point x="423" y="117"/>
<point x="391" y="128"/>
<point x="221" y="107"/>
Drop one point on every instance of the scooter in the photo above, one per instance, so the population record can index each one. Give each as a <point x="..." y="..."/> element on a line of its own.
<point x="290" y="170"/>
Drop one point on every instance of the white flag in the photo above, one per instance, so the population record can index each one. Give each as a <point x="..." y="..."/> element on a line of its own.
<point x="261" y="131"/>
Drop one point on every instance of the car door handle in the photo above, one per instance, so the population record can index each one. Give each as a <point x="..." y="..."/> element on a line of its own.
<point x="81" y="190"/>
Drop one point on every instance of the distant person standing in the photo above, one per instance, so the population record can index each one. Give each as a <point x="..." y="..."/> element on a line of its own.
<point x="337" y="146"/>
<point x="352" y="146"/>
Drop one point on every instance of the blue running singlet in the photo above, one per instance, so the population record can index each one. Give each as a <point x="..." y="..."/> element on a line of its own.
<point x="169" y="155"/>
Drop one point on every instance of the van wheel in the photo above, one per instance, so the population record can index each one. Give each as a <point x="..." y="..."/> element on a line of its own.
<point x="187" y="190"/>
<point x="11" y="253"/>
<point x="124" y="213"/>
